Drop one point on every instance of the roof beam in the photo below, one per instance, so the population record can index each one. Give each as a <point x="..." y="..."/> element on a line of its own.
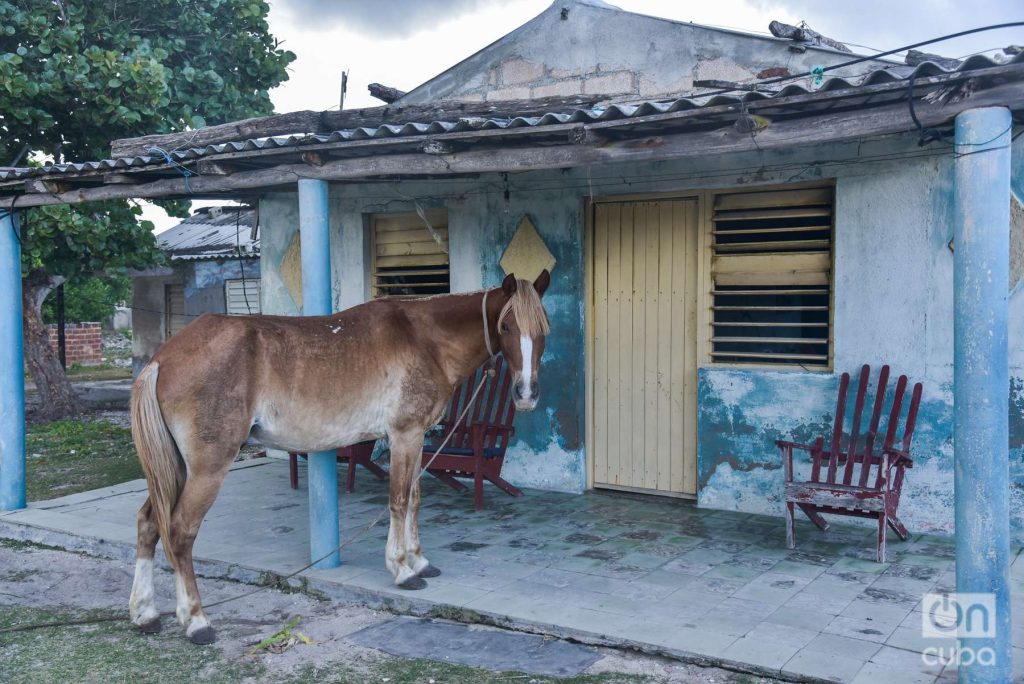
<point x="830" y="127"/>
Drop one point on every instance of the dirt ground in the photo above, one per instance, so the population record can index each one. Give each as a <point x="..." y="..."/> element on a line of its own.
<point x="42" y="585"/>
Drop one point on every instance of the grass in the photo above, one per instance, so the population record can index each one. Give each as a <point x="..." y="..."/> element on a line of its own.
<point x="69" y="456"/>
<point x="108" y="652"/>
<point x="114" y="651"/>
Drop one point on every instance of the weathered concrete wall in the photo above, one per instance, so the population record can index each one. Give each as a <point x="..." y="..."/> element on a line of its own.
<point x="203" y="283"/>
<point x="893" y="304"/>
<point x="148" y="316"/>
<point x="601" y="50"/>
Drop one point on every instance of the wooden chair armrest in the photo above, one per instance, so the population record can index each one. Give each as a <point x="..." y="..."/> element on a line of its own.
<point x="900" y="457"/>
<point x="783" y="444"/>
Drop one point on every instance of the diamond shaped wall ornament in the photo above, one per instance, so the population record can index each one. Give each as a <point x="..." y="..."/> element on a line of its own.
<point x="526" y="255"/>
<point x="291" y="269"/>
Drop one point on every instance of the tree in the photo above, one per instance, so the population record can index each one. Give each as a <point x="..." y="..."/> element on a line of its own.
<point x="76" y="74"/>
<point x="92" y="299"/>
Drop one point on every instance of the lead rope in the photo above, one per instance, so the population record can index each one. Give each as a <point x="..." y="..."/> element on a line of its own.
<point x="487" y="374"/>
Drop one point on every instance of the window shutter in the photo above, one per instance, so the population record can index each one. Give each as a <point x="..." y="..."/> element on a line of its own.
<point x="408" y="261"/>
<point x="242" y="297"/>
<point x="174" y="308"/>
<point x="772" y="272"/>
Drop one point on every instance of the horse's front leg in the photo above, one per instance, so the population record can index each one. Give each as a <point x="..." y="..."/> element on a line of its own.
<point x="405" y="457"/>
<point x="417" y="561"/>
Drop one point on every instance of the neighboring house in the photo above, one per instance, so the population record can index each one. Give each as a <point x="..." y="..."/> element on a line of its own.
<point x="214" y="268"/>
<point x="719" y="254"/>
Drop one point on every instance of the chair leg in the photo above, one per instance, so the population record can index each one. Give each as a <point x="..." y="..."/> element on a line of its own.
<point x="448" y="480"/>
<point x="898" y="527"/>
<point x="883" y="522"/>
<point x="350" y="481"/>
<point x="478" y="481"/>
<point x="375" y="469"/>
<point x="815" y="517"/>
<point x="505" y="485"/>
<point x="293" y="469"/>
<point x="790" y="525"/>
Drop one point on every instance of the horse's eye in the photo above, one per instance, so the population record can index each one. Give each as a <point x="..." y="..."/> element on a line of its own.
<point x="504" y="328"/>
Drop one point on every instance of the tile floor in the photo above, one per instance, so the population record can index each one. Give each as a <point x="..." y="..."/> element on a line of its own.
<point x="647" y="571"/>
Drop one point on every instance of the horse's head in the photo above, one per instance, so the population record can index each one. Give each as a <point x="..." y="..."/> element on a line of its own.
<point x="522" y="326"/>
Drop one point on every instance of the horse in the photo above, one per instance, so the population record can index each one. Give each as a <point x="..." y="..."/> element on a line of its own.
<point x="385" y="368"/>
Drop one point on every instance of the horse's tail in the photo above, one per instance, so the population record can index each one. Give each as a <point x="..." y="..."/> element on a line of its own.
<point x="161" y="460"/>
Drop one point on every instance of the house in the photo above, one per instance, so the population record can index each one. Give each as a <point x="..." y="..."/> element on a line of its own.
<point x="731" y="222"/>
<point x="666" y="375"/>
<point x="214" y="267"/>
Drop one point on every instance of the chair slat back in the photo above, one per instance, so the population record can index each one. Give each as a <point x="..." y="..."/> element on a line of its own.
<point x="494" y="408"/>
<point x="876" y="416"/>
<point x="862" y="388"/>
<point x="837" y="428"/>
<point x="864" y="449"/>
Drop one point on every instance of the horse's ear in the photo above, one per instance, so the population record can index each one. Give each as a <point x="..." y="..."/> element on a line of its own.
<point x="509" y="285"/>
<point x="542" y="282"/>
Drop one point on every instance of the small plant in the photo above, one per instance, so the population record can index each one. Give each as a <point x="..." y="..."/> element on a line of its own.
<point x="282" y="640"/>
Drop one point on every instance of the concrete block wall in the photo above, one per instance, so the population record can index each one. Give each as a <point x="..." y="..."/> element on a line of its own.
<point x="83" y="343"/>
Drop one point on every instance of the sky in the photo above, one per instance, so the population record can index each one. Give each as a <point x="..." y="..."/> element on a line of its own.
<point x="402" y="43"/>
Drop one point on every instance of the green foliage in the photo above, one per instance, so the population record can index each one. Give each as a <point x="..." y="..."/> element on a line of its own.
<point x="69" y="456"/>
<point x="76" y="75"/>
<point x="90" y="299"/>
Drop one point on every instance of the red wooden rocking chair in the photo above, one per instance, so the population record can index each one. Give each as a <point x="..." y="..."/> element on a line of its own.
<point x="477" y="447"/>
<point x="356" y="454"/>
<point x="837" y="485"/>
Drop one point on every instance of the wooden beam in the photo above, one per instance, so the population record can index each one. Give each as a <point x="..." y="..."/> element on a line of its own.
<point x="328" y="121"/>
<point x="834" y="127"/>
<point x="385" y="93"/>
<point x="279" y="124"/>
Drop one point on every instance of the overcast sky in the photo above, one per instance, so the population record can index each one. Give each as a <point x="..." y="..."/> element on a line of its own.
<point x="402" y="43"/>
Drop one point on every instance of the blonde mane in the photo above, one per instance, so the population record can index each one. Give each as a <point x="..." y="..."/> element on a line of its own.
<point x="525" y="304"/>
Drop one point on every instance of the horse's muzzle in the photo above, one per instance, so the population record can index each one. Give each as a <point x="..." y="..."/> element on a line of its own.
<point x="525" y="400"/>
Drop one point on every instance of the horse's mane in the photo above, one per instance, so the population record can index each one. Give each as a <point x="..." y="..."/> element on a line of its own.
<point x="529" y="312"/>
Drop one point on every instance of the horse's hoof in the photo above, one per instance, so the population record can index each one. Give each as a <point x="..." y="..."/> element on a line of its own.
<point x="413" y="583"/>
<point x="204" y="636"/>
<point x="151" y="627"/>
<point x="429" y="571"/>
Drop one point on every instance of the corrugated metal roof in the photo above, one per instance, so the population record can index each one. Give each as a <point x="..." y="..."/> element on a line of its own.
<point x="212" y="233"/>
<point x="582" y="116"/>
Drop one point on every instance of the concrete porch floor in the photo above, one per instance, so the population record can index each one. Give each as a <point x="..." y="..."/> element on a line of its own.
<point x="641" y="572"/>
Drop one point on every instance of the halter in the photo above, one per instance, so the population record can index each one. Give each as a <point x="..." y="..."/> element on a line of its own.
<point x="487" y="328"/>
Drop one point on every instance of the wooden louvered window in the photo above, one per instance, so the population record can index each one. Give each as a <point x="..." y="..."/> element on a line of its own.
<point x="174" y="309"/>
<point x="771" y="276"/>
<point x="408" y="259"/>
<point x="242" y="297"/>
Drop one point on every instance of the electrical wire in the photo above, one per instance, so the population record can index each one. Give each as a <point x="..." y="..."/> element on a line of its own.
<point x="859" y="60"/>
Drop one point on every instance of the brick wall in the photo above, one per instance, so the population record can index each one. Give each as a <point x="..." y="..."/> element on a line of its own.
<point x="82" y="341"/>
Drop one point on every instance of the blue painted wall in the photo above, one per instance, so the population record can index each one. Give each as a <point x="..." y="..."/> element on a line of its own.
<point x="893" y="304"/>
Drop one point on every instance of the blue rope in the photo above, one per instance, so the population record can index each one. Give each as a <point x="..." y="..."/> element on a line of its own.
<point x="170" y="162"/>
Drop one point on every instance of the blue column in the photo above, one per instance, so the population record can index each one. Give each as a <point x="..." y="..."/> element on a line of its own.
<point x="981" y="384"/>
<point x="12" y="368"/>
<point x="314" y="225"/>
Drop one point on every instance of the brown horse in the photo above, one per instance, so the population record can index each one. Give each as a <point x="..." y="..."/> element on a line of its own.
<point x="383" y="368"/>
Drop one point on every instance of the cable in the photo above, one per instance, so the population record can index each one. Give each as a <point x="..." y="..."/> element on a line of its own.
<point x="241" y="261"/>
<point x="859" y="60"/>
<point x="186" y="172"/>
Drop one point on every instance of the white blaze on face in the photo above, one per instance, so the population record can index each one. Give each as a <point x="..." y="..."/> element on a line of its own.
<point x="526" y="347"/>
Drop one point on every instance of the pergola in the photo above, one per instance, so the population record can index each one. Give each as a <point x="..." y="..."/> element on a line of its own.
<point x="243" y="159"/>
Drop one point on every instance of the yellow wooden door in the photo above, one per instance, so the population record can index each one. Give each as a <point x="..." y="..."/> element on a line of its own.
<point x="644" y="381"/>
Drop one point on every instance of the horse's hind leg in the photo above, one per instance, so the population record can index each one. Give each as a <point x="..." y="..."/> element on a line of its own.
<point x="141" y="605"/>
<point x="196" y="497"/>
